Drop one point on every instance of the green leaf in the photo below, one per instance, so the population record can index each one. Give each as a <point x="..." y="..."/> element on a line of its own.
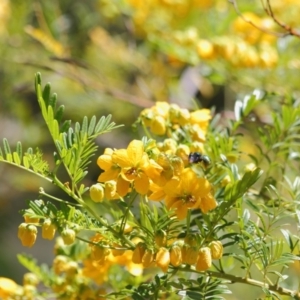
<point x="6" y="146"/>
<point x="46" y="94"/>
<point x="53" y="100"/>
<point x="92" y="125"/>
<point x="59" y="114"/>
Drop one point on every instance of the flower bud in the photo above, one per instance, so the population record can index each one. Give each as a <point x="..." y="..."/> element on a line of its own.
<point x="163" y="259"/>
<point x="175" y="256"/>
<point x="27" y="234"/>
<point x="191" y="255"/>
<point x="60" y="264"/>
<point x="138" y="253"/>
<point x="147" y="258"/>
<point x="97" y="192"/>
<point x="100" y="253"/>
<point x="191" y="240"/>
<point x="68" y="236"/>
<point x="71" y="269"/>
<point x="204" y="259"/>
<point x="216" y="249"/>
<point x="30" y="278"/>
<point x="160" y="238"/>
<point x="110" y="189"/>
<point x="30" y="219"/>
<point x="48" y="230"/>
<point x="158" y="125"/>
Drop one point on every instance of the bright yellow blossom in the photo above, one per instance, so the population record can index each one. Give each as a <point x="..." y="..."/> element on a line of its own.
<point x="188" y="192"/>
<point x="7" y="287"/>
<point x="136" y="167"/>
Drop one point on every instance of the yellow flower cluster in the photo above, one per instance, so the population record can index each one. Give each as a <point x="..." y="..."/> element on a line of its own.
<point x="11" y="290"/>
<point x="181" y="252"/>
<point x="169" y="119"/>
<point x="160" y="171"/>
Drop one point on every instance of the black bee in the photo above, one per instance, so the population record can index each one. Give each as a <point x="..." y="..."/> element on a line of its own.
<point x="196" y="157"/>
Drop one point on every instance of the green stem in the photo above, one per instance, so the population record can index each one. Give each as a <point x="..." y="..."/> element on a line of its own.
<point x="42" y="192"/>
<point x="92" y="212"/>
<point x="245" y="280"/>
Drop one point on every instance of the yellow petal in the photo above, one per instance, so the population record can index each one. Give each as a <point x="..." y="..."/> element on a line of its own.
<point x="104" y="162"/>
<point x="171" y="187"/>
<point x="208" y="203"/>
<point x="121" y="158"/>
<point x="141" y="184"/>
<point x="122" y="186"/>
<point x="135" y="151"/>
<point x="110" y="174"/>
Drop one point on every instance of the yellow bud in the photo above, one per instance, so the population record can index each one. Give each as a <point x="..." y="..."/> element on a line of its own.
<point x="158" y="125"/>
<point x="27" y="234"/>
<point x="204" y="259"/>
<point x="178" y="165"/>
<point x="71" y="269"/>
<point x="216" y="249"/>
<point x="147" y="258"/>
<point x="147" y="116"/>
<point x="110" y="189"/>
<point x="163" y="259"/>
<point x="191" y="240"/>
<point x="68" y="236"/>
<point x="205" y="49"/>
<point x="138" y="253"/>
<point x="175" y="256"/>
<point x="60" y="264"/>
<point x="226" y="180"/>
<point x="97" y="192"/>
<point x="160" y="238"/>
<point x="48" y="230"/>
<point x="191" y="255"/>
<point x="29" y="219"/>
<point x="30" y="278"/>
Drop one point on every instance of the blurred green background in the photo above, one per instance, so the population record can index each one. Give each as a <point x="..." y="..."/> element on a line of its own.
<point x="118" y="57"/>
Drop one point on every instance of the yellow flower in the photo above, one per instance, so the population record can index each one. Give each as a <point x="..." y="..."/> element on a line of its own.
<point x="7" y="287"/>
<point x="48" y="230"/>
<point x="27" y="234"/>
<point x="135" y="165"/>
<point x="201" y="117"/>
<point x="188" y="192"/>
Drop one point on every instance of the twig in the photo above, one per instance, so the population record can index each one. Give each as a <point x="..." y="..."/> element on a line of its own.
<point x="268" y="9"/>
<point x="289" y="30"/>
<point x="233" y="2"/>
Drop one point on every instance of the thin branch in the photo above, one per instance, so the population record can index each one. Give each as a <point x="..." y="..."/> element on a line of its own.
<point x="268" y="9"/>
<point x="278" y="34"/>
<point x="289" y="30"/>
